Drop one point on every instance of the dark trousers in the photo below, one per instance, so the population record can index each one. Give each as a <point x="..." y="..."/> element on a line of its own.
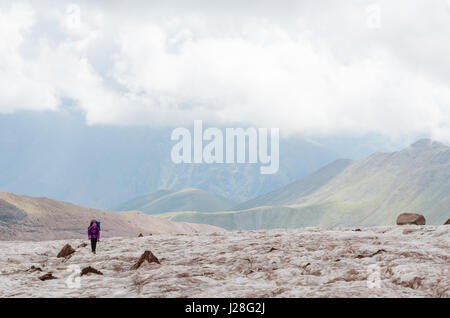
<point x="93" y="244"/>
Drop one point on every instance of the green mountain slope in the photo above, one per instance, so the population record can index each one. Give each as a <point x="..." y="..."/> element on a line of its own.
<point x="189" y="199"/>
<point x="141" y="201"/>
<point x="368" y="192"/>
<point x="290" y="193"/>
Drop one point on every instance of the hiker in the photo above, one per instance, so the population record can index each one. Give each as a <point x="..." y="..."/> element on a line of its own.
<point x="94" y="234"/>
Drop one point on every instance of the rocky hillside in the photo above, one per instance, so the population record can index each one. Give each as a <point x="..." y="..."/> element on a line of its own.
<point x="28" y="218"/>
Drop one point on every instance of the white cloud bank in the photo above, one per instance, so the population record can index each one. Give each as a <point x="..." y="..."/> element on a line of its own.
<point x="312" y="69"/>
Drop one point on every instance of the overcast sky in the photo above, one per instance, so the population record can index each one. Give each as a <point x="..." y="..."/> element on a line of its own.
<point x="316" y="68"/>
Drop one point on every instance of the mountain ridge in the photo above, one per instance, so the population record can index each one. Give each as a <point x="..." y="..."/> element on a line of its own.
<point x="187" y="199"/>
<point x="368" y="192"/>
<point x="303" y="186"/>
<point x="30" y="218"/>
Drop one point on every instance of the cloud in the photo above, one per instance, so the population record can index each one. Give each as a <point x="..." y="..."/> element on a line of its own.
<point x="20" y="80"/>
<point x="314" y="69"/>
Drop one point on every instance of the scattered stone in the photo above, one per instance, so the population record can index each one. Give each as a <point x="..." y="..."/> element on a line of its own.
<point x="84" y="244"/>
<point x="183" y="275"/>
<point x="248" y="272"/>
<point x="249" y="261"/>
<point x="35" y="269"/>
<point x="66" y="251"/>
<point x="357" y="230"/>
<point x="304" y="266"/>
<point x="448" y="222"/>
<point x="371" y="255"/>
<point x="140" y="235"/>
<point x="410" y="218"/>
<point x="47" y="276"/>
<point x="408" y="231"/>
<point x="90" y="269"/>
<point x="147" y="256"/>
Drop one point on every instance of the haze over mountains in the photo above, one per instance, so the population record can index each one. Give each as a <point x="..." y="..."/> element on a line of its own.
<point x="56" y="155"/>
<point x="367" y="192"/>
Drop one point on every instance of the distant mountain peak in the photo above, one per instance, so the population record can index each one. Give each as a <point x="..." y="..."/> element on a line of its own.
<point x="427" y="143"/>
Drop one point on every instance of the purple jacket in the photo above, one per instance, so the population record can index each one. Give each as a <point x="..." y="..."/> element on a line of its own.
<point x="94" y="232"/>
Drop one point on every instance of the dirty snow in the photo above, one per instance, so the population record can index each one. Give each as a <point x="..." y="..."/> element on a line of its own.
<point x="406" y="261"/>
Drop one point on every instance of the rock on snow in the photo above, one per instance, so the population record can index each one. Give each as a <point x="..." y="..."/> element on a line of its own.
<point x="410" y="218"/>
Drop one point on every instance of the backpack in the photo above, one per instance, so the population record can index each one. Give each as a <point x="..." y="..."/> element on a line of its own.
<point x="98" y="225"/>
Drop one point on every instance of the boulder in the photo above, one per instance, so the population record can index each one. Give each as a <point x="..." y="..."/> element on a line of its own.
<point x="448" y="222"/>
<point x="35" y="269"/>
<point x="147" y="256"/>
<point x="140" y="235"/>
<point x="371" y="254"/>
<point x="90" y="269"/>
<point x="47" y="276"/>
<point x="66" y="251"/>
<point x="410" y="218"/>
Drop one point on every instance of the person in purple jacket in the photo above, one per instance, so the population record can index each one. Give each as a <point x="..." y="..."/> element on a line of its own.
<point x="94" y="234"/>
